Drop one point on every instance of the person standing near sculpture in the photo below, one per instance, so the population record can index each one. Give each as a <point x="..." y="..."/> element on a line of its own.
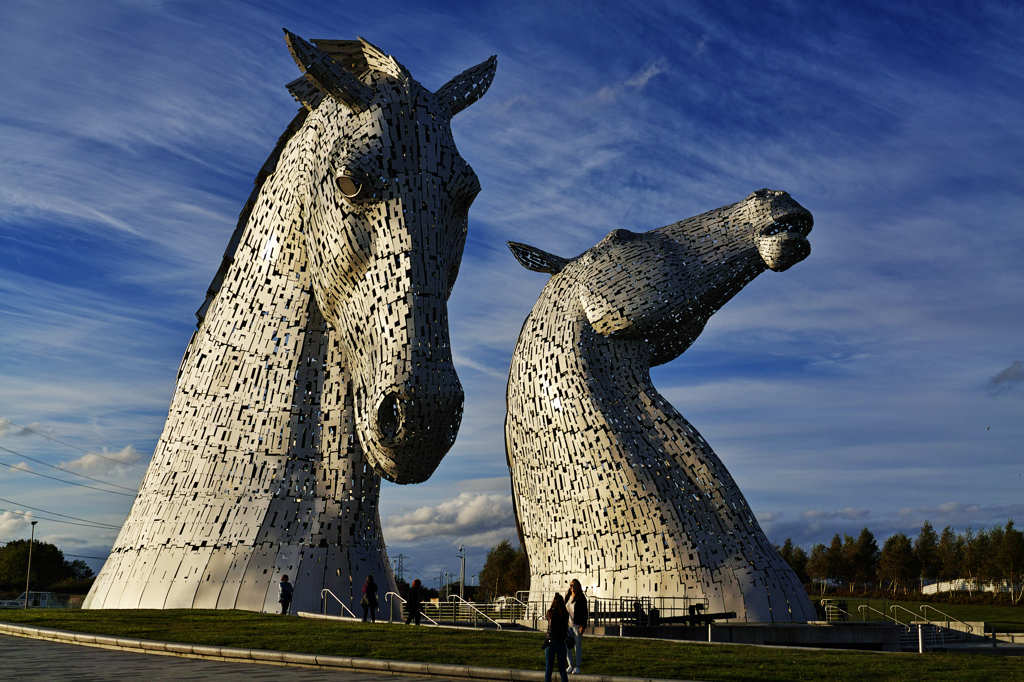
<point x="369" y="600"/>
<point x="415" y="602"/>
<point x="579" y="616"/>
<point x="554" y="641"/>
<point x="285" y="595"/>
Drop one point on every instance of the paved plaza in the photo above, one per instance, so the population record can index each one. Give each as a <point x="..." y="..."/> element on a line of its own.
<point x="29" y="659"/>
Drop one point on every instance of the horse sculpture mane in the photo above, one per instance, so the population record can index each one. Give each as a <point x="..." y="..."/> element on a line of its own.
<point x="321" y="360"/>
<point x="610" y="483"/>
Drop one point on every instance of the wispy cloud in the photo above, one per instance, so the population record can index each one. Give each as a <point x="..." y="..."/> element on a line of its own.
<point x="7" y="429"/>
<point x="106" y="462"/>
<point x="817" y="525"/>
<point x="1007" y="380"/>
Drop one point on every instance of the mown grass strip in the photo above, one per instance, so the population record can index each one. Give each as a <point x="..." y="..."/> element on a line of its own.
<point x="610" y="656"/>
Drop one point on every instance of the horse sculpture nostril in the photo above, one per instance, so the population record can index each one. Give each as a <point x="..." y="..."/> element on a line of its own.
<point x="389" y="416"/>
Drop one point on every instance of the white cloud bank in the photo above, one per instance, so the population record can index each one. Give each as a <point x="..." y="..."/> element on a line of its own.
<point x="105" y="463"/>
<point x="472" y="519"/>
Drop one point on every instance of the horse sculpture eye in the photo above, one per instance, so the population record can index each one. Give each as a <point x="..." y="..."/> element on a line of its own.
<point x="349" y="186"/>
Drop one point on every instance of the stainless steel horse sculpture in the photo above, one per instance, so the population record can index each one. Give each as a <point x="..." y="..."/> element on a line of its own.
<point x="322" y="358"/>
<point x="611" y="484"/>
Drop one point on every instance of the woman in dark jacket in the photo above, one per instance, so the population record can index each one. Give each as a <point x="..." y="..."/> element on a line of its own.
<point x="415" y="603"/>
<point x="554" y="643"/>
<point x="369" y="600"/>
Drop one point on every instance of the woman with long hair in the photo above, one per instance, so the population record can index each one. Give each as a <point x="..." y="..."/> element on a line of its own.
<point x="415" y="603"/>
<point x="369" y="600"/>
<point x="554" y="642"/>
<point x="579" y="616"/>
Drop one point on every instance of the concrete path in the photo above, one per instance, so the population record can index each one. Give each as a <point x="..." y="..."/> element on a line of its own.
<point x="93" y="657"/>
<point x="29" y="659"/>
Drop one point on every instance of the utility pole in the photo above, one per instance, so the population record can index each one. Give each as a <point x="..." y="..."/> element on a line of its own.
<point x="28" y="575"/>
<point x="462" y="572"/>
<point x="399" y="566"/>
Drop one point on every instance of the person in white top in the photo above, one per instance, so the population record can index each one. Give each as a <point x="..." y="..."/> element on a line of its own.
<point x="579" y="616"/>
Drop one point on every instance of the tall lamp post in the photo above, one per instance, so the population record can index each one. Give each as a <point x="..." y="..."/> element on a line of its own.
<point x="462" y="572"/>
<point x="28" y="574"/>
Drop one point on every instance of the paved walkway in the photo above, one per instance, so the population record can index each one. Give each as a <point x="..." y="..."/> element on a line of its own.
<point x="29" y="659"/>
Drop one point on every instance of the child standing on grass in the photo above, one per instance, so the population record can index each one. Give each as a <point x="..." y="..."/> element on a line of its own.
<point x="286" y="595"/>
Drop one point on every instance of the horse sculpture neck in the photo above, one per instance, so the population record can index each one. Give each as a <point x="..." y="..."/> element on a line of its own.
<point x="611" y="484"/>
<point x="320" y="325"/>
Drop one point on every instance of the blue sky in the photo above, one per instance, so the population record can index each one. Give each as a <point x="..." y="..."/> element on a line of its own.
<point x="877" y="383"/>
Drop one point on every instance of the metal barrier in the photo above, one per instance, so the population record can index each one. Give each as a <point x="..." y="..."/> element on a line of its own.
<point x="924" y="610"/>
<point x="897" y="606"/>
<point x="471" y="607"/>
<point x="883" y="615"/>
<point x="323" y="602"/>
<point x="391" y="607"/>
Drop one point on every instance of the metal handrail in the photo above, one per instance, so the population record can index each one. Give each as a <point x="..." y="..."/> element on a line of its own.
<point x="833" y="607"/>
<point x="392" y="607"/>
<point x="472" y="606"/>
<point x="897" y="606"/>
<point x="925" y="607"/>
<point x="323" y="601"/>
<point x="863" y="616"/>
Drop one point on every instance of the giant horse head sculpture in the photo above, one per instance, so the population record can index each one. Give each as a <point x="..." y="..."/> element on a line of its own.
<point x="610" y="484"/>
<point x="385" y="220"/>
<point x="321" y="357"/>
<point x="663" y="285"/>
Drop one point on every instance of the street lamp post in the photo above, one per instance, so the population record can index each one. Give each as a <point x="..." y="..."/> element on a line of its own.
<point x="462" y="572"/>
<point x="28" y="574"/>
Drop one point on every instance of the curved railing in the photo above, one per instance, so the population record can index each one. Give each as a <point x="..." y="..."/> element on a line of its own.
<point x="897" y="606"/>
<point x="323" y="602"/>
<point x="474" y="608"/>
<point x="391" y="607"/>
<point x="924" y="610"/>
<point x="863" y="615"/>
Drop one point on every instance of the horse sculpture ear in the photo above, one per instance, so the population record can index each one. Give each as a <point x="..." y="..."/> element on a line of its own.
<point x="327" y="75"/>
<point x="467" y="87"/>
<point x="534" y="259"/>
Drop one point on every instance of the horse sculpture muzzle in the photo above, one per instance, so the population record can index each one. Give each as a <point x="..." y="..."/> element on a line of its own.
<point x="782" y="240"/>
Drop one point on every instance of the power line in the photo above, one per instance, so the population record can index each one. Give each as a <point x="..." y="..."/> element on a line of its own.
<point x="47" y="511"/>
<point x="43" y="518"/>
<point x="67" y="471"/>
<point x="82" y="556"/>
<point x="54" y="478"/>
<point x="74" y="447"/>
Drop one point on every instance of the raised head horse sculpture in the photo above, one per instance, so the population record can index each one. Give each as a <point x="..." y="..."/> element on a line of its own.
<point x="610" y="483"/>
<point x="322" y="358"/>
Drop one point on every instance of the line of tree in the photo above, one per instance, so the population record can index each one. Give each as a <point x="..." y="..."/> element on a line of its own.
<point x="994" y="556"/>
<point x="50" y="570"/>
<point x="504" y="573"/>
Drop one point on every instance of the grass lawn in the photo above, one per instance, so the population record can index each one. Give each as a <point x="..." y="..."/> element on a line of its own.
<point x="1004" y="618"/>
<point x="611" y="656"/>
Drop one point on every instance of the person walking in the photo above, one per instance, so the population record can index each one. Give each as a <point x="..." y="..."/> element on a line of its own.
<point x="369" y="600"/>
<point x="579" y="617"/>
<point x="415" y="602"/>
<point x="554" y="640"/>
<point x="285" y="595"/>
